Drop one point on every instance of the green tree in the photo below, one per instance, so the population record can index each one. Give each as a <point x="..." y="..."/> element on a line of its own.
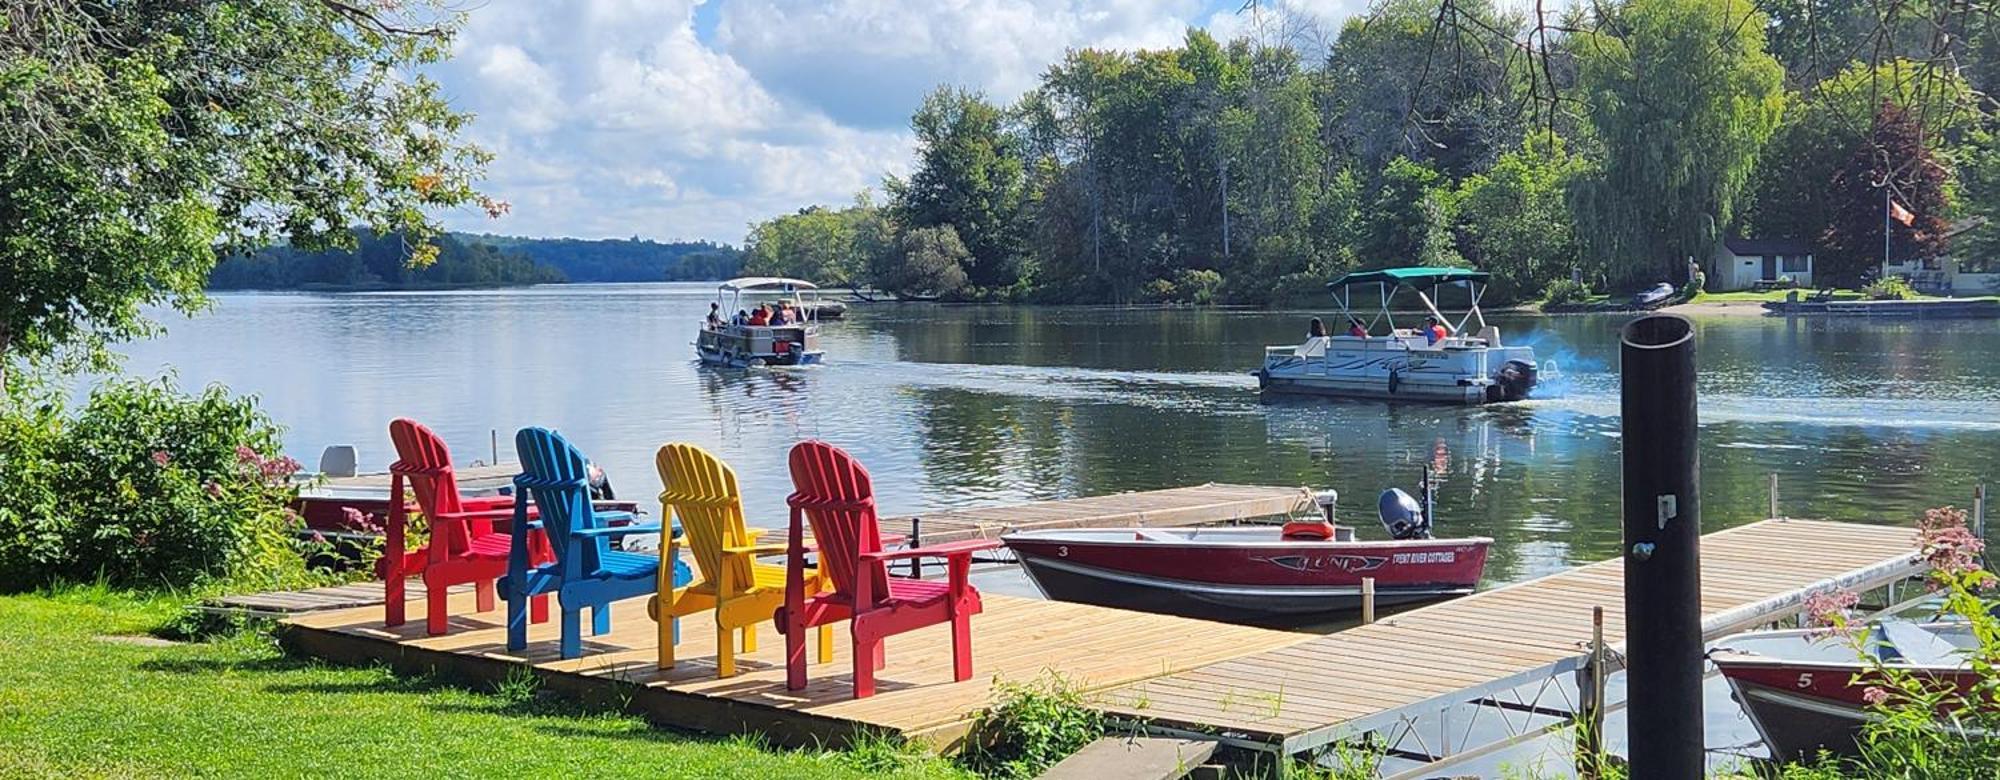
<point x="138" y="139"/>
<point x="1681" y="96"/>
<point x="969" y="176"/>
<point x="927" y="262"/>
<point x="818" y="244"/>
<point x="1409" y="222"/>
<point x="1514" y="220"/>
<point x="1426" y="81"/>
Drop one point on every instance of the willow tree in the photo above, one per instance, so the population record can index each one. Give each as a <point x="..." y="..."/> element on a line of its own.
<point x="138" y="141"/>
<point x="1681" y="95"/>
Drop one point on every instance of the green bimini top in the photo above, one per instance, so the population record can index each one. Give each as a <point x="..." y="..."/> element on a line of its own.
<point x="1421" y="276"/>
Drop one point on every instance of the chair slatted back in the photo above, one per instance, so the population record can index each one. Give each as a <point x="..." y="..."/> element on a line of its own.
<point x="558" y="477"/>
<point x="701" y="492"/>
<point x="839" y="500"/>
<point x="422" y="458"/>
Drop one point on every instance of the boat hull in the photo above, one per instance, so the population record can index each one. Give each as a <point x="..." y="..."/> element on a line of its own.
<point x="1246" y="581"/>
<point x="1400" y="369"/>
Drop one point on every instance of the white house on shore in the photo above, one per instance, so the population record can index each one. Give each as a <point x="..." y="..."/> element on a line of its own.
<point x="1750" y="263"/>
<point x="1948" y="275"/>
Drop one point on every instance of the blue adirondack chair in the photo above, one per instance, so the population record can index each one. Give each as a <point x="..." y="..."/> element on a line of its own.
<point x="586" y="571"/>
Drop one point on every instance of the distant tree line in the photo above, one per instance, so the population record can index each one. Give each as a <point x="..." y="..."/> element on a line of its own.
<point x="465" y="260"/>
<point x="1606" y="146"/>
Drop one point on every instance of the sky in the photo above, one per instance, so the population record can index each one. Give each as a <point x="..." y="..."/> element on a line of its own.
<point x="691" y="119"/>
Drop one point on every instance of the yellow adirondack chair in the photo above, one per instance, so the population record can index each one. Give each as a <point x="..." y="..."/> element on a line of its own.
<point x="701" y="491"/>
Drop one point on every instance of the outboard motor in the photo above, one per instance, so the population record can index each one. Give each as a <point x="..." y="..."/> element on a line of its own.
<point x="1513" y="381"/>
<point x="1403" y="516"/>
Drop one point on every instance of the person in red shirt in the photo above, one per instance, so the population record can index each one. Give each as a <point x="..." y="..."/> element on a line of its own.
<point x="1434" y="331"/>
<point x="1356" y="329"/>
<point x="760" y="316"/>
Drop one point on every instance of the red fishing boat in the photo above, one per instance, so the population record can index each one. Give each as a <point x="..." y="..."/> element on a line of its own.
<point x="1254" y="573"/>
<point x="1805" y="691"/>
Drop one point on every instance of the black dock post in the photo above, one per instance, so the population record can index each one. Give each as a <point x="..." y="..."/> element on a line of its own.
<point x="1662" y="512"/>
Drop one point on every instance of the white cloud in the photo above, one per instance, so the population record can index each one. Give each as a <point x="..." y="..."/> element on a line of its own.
<point x="685" y="119"/>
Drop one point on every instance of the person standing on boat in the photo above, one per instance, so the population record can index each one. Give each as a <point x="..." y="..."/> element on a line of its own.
<point x="714" y="316"/>
<point x="1316" y="329"/>
<point x="1434" y="331"/>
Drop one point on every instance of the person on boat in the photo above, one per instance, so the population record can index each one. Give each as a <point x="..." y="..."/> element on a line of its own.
<point x="1316" y="329"/>
<point x="779" y="315"/>
<point x="1356" y="329"/>
<point x="714" y="315"/>
<point x="760" y="316"/>
<point x="1434" y="331"/>
<point x="742" y="318"/>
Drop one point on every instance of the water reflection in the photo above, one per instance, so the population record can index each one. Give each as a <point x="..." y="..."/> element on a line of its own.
<point x="965" y="405"/>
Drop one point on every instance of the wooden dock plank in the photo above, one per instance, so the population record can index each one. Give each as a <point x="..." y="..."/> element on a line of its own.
<point x="1315" y="686"/>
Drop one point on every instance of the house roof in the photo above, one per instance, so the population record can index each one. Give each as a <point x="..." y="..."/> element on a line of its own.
<point x="1767" y="246"/>
<point x="1422" y="276"/>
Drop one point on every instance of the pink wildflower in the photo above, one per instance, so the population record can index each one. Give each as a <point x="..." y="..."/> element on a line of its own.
<point x="353" y="516"/>
<point x="1946" y="543"/>
<point x="1874" y="695"/>
<point x="214" y="489"/>
<point x="318" y="538"/>
<point x="246" y="455"/>
<point x="161" y="458"/>
<point x="1826" y="610"/>
<point x="279" y="468"/>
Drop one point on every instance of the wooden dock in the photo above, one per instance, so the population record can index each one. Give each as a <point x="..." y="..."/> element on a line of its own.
<point x="1197" y="505"/>
<point x="1015" y="639"/>
<point x="1245" y="687"/>
<point x="1378" y="678"/>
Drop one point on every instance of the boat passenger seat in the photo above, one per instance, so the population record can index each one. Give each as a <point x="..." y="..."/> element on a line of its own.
<point x="1491" y="335"/>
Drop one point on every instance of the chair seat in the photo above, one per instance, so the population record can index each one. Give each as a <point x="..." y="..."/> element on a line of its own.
<point x="900" y="590"/>
<point x="490" y="546"/>
<point x="624" y="565"/>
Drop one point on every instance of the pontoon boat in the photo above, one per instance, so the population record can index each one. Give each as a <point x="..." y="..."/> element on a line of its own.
<point x="749" y="346"/>
<point x="1405" y="363"/>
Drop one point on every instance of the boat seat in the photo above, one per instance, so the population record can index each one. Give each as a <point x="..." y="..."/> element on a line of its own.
<point x="1491" y="335"/>
<point x="1920" y="647"/>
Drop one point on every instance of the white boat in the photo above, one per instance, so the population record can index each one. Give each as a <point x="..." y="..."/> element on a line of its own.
<point x="749" y="346"/>
<point x="1405" y="363"/>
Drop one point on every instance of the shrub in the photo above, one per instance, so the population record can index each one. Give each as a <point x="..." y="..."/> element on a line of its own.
<point x="144" y="487"/>
<point x="1197" y="286"/>
<point x="1030" y="727"/>
<point x="1565" y="291"/>
<point x="1894" y="288"/>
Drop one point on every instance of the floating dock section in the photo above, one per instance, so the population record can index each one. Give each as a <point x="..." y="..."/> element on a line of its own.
<point x="1383" y="680"/>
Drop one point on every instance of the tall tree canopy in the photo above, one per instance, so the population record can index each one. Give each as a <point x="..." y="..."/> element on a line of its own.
<point x="137" y="139"/>
<point x="1681" y="95"/>
<point x="1894" y="164"/>
<point x="969" y="177"/>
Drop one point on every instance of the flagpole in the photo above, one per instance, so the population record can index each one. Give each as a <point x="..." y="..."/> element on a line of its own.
<point x="1885" y="227"/>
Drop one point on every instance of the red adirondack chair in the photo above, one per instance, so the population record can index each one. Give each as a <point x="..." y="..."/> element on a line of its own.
<point x="463" y="545"/>
<point x="833" y="491"/>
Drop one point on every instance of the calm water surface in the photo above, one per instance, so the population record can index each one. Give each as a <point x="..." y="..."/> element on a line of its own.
<point x="957" y="406"/>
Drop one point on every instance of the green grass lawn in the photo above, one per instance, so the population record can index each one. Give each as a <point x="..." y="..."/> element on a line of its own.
<point x="74" y="702"/>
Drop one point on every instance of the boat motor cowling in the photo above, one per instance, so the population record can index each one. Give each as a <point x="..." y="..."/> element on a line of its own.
<point x="1403" y="515"/>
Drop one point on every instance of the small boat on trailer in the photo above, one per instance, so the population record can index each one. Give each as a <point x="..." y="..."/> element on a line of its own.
<point x="1805" y="693"/>
<point x="1254" y="574"/>
<point x="1404" y="363"/>
<point x="751" y="346"/>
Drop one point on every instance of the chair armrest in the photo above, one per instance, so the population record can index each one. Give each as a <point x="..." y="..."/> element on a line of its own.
<point x="949" y="550"/>
<point x="755" y="549"/>
<point x="616" y="530"/>
<point x="491" y="514"/>
<point x="608" y="516"/>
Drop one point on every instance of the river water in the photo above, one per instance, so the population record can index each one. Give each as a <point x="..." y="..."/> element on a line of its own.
<point x="957" y="406"/>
